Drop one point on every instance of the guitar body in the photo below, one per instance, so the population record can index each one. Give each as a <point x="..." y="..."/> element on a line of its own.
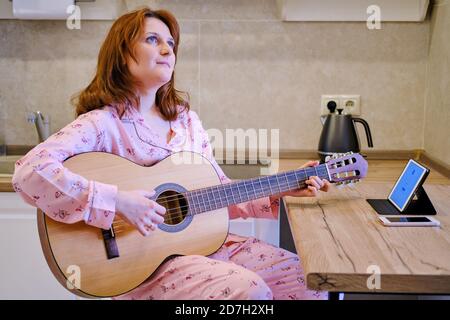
<point x="78" y="250"/>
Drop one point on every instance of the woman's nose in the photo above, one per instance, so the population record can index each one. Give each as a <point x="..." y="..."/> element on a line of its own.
<point x="165" y="49"/>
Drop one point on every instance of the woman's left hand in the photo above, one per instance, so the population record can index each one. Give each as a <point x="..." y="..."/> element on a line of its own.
<point x="314" y="184"/>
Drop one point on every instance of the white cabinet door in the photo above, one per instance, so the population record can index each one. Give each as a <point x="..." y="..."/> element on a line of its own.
<point x="24" y="273"/>
<point x="267" y="230"/>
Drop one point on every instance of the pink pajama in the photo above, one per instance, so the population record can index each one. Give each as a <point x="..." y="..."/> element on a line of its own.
<point x="244" y="268"/>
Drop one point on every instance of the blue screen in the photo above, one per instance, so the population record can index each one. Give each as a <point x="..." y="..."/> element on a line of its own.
<point x="407" y="184"/>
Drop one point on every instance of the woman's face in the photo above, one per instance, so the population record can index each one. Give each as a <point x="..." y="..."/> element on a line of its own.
<point x="154" y="55"/>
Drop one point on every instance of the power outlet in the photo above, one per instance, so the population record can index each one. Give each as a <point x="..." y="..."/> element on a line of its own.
<point x="351" y="104"/>
<point x="324" y="102"/>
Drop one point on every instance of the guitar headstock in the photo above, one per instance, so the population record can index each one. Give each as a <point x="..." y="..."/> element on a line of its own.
<point x="346" y="168"/>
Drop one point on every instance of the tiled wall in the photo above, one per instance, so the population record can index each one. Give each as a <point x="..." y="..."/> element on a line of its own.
<point x="243" y="67"/>
<point x="437" y="103"/>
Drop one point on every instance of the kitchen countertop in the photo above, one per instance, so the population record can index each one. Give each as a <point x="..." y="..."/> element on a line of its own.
<point x="5" y="183"/>
<point x="341" y="243"/>
<point x="6" y="170"/>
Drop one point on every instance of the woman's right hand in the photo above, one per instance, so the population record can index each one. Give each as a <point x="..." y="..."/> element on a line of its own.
<point x="137" y="209"/>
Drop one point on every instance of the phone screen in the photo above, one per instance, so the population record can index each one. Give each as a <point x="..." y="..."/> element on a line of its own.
<point x="409" y="219"/>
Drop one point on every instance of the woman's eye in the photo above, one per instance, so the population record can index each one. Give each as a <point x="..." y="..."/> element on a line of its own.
<point x="152" y="39"/>
<point x="171" y="44"/>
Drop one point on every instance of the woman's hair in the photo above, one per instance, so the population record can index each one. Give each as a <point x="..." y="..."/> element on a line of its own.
<point x="113" y="82"/>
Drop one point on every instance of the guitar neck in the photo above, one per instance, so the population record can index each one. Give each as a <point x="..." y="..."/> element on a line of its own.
<point x="220" y="196"/>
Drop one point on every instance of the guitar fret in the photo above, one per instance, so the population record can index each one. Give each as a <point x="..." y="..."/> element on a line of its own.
<point x="255" y="191"/>
<point x="262" y="188"/>
<point x="231" y="196"/>
<point x="299" y="181"/>
<point x="213" y="198"/>
<point x="287" y="181"/>
<point x="201" y="201"/>
<point x="236" y="193"/>
<point x="246" y="191"/>
<point x="220" y="196"/>
<point x="191" y="203"/>
<point x="239" y="193"/>
<point x="255" y="194"/>
<point x="205" y="200"/>
<point x="262" y="193"/>
<point x="278" y="184"/>
<point x="216" y="197"/>
<point x="270" y="186"/>
<point x="210" y="201"/>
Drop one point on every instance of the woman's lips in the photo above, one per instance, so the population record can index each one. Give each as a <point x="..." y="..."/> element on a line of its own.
<point x="164" y="63"/>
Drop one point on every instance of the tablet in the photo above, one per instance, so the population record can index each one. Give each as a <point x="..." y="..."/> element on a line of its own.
<point x="412" y="177"/>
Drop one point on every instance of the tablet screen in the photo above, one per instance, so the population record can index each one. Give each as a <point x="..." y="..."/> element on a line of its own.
<point x="406" y="185"/>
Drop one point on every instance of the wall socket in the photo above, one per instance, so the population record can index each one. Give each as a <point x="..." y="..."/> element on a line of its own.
<point x="351" y="103"/>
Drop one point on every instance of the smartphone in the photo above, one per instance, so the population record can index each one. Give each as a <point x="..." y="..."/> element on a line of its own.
<point x="417" y="221"/>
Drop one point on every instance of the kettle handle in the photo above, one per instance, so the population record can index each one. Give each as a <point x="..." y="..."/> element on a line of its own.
<point x="366" y="127"/>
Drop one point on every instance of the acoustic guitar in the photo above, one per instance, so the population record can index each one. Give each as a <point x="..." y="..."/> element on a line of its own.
<point x="93" y="262"/>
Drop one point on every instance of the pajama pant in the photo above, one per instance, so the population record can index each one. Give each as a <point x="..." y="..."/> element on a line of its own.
<point x="242" y="269"/>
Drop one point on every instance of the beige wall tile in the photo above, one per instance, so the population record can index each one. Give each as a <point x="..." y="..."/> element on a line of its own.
<point x="43" y="64"/>
<point x="242" y="67"/>
<point x="272" y="74"/>
<point x="213" y="9"/>
<point x="437" y="105"/>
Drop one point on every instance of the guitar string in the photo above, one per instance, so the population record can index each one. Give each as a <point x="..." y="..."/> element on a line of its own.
<point x="214" y="201"/>
<point x="174" y="211"/>
<point x="121" y="223"/>
<point x="234" y="183"/>
<point x="122" y="226"/>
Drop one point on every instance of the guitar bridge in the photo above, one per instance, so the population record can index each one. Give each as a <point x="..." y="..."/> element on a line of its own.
<point x="109" y="238"/>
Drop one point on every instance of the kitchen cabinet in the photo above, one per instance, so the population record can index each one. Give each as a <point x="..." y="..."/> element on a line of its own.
<point x="352" y="10"/>
<point x="24" y="271"/>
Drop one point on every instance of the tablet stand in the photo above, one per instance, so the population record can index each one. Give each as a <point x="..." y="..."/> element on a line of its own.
<point x="421" y="206"/>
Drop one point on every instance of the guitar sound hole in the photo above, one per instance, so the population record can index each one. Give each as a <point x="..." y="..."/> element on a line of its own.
<point x="175" y="204"/>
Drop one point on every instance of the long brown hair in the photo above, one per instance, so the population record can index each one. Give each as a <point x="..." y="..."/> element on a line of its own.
<point x="113" y="82"/>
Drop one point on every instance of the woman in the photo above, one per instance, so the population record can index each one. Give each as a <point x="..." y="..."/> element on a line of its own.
<point x="132" y="109"/>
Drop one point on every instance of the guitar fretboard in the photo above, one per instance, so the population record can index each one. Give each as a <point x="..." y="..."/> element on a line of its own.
<point x="220" y="196"/>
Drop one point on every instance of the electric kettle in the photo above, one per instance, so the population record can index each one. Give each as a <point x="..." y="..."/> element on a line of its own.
<point x="339" y="134"/>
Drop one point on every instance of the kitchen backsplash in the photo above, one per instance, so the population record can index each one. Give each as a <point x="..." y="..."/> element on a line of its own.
<point x="243" y="68"/>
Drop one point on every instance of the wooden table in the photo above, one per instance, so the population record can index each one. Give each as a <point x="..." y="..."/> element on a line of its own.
<point x="343" y="246"/>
